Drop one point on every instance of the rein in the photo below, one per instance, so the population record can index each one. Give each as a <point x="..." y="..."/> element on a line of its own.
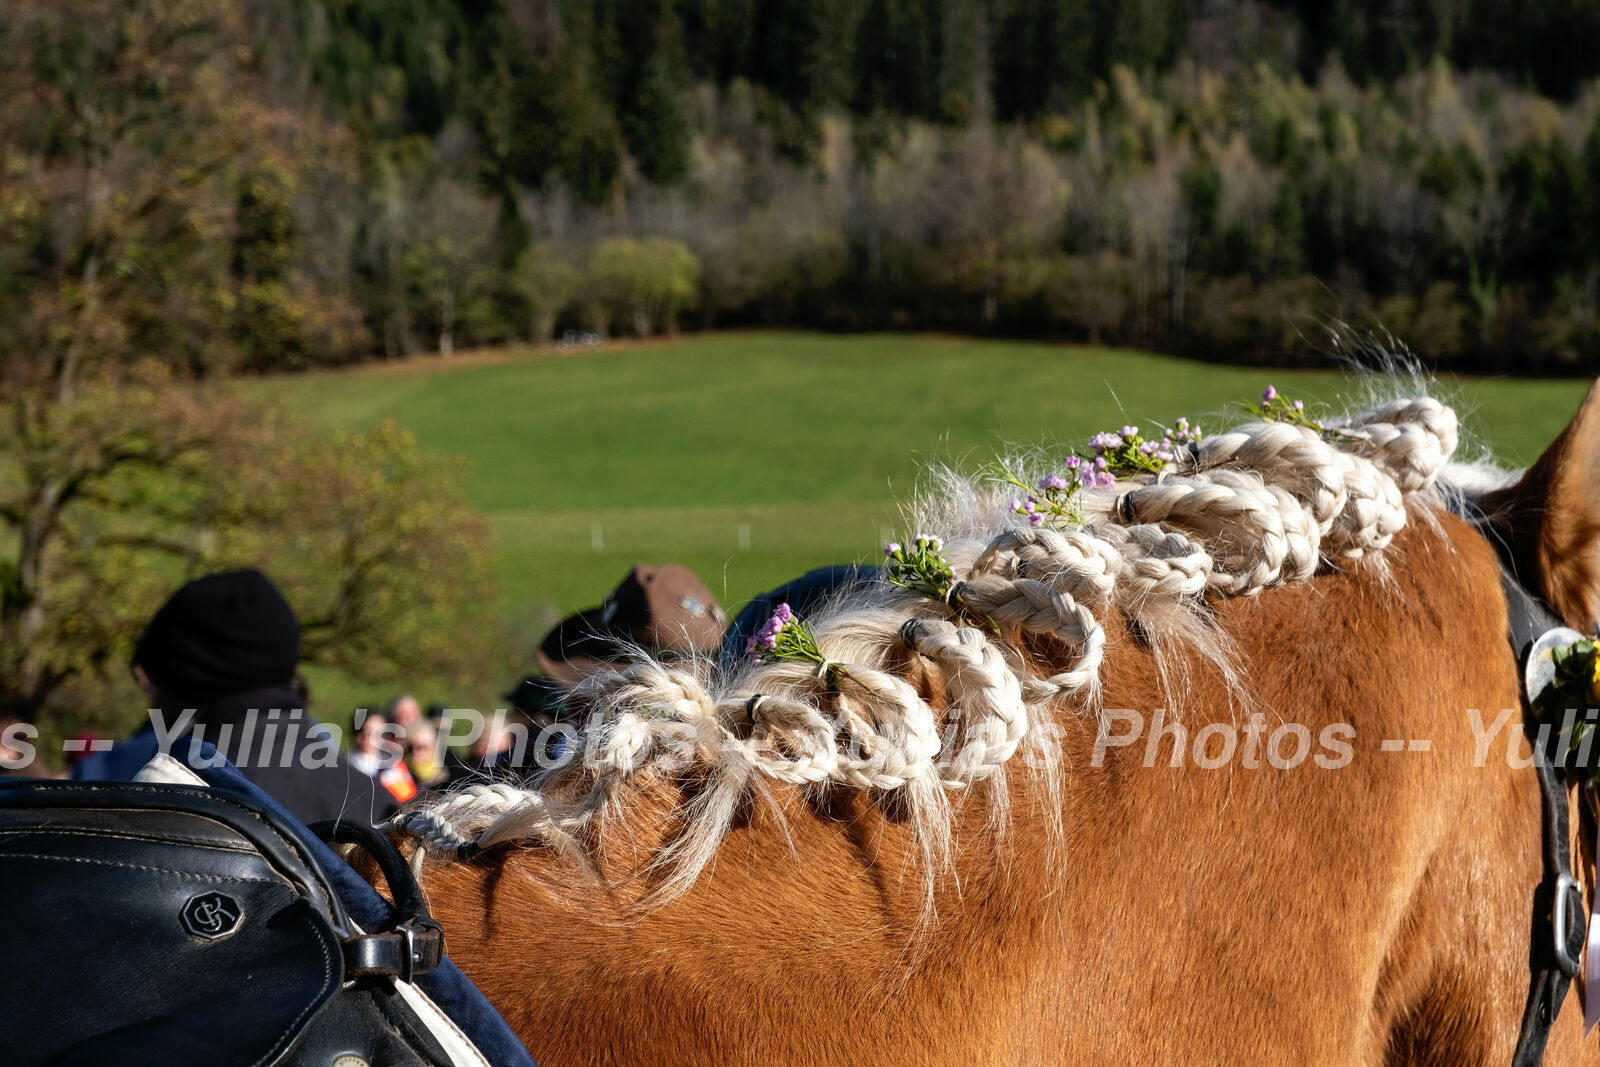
<point x="1558" y="931"/>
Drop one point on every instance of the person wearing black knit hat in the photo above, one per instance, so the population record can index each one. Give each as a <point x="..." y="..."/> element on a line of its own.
<point x="224" y="633"/>
<point x="228" y="647"/>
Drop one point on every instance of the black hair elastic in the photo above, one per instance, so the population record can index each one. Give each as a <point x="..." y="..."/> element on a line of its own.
<point x="752" y="704"/>
<point x="909" y="631"/>
<point x="953" y="597"/>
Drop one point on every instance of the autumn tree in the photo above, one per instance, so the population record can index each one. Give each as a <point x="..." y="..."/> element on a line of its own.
<point x="374" y="544"/>
<point x="448" y="252"/>
<point x="153" y="217"/>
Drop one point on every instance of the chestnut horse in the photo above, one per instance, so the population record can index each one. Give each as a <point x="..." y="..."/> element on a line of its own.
<point x="1105" y="882"/>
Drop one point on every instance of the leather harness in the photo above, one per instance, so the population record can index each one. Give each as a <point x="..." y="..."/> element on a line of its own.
<point x="1559" y="920"/>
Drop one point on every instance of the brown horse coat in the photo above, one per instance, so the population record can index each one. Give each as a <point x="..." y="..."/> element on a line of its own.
<point x="1378" y="910"/>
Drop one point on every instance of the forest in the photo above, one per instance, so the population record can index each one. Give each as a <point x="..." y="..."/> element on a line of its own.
<point x="308" y="182"/>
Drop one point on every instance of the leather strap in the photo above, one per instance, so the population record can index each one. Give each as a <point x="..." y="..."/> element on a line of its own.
<point x="401" y="953"/>
<point x="413" y="943"/>
<point x="1559" y="921"/>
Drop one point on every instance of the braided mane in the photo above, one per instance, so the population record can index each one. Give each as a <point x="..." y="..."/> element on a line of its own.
<point x="1266" y="503"/>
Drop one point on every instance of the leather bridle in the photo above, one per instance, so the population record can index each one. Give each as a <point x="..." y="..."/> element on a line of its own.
<point x="1559" y="922"/>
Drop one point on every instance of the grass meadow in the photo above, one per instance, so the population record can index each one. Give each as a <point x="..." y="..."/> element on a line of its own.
<point x="752" y="457"/>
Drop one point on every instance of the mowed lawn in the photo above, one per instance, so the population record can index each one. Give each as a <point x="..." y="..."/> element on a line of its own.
<point x="752" y="457"/>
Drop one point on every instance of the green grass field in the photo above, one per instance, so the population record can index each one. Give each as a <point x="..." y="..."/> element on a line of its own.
<point x="752" y="457"/>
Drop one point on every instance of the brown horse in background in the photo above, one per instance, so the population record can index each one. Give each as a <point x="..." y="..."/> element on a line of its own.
<point x="1363" y="906"/>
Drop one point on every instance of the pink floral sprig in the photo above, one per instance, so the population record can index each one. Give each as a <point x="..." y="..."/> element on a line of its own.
<point x="785" y="636"/>
<point x="1183" y="433"/>
<point x="1055" y="498"/>
<point x="920" y="568"/>
<point x="1275" y="407"/>
<point x="1127" y="452"/>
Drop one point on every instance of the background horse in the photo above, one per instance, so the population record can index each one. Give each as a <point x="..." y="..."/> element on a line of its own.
<point x="966" y="836"/>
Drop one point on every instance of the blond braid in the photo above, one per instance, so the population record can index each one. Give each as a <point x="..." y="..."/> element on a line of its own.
<point x="1262" y="504"/>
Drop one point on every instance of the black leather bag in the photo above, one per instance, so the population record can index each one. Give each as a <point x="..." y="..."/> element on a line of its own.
<point x="167" y="924"/>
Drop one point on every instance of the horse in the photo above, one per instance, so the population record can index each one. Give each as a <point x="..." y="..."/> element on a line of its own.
<point x="1210" y="763"/>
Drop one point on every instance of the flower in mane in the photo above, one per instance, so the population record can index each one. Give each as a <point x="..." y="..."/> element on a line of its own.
<point x="1275" y="407"/>
<point x="921" y="568"/>
<point x="787" y="637"/>
<point x="1055" y="500"/>
<point x="1127" y="452"/>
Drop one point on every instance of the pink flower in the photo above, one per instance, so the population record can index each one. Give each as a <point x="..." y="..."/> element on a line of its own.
<point x="1103" y="442"/>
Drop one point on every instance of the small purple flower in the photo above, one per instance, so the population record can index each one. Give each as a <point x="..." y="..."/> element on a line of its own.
<point x="1103" y="442"/>
<point x="1130" y="431"/>
<point x="1036" y="519"/>
<point x="1270" y="395"/>
<point x="1052" y="481"/>
<point x="1072" y="463"/>
<point x="1299" y="405"/>
<point x="891" y="548"/>
<point x="1099" y="463"/>
<point x="784" y="614"/>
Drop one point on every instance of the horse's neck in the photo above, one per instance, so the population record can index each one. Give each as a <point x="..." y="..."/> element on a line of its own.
<point x="809" y="937"/>
<point x="811" y="931"/>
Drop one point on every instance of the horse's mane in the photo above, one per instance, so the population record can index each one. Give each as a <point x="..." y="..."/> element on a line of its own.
<point x="1267" y="503"/>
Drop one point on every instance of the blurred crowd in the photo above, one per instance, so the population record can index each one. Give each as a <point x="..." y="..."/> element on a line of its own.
<point x="219" y="664"/>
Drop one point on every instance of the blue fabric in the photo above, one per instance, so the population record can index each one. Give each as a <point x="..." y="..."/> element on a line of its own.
<point x="121" y="763"/>
<point x="802" y="594"/>
<point x="455" y="994"/>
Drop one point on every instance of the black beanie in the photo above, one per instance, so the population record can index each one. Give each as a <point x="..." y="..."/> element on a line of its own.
<point x="221" y="634"/>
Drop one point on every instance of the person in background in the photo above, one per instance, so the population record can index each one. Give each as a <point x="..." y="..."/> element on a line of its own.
<point x="542" y="701"/>
<point x="227" y="646"/>
<point x="404" y="711"/>
<point x="666" y="611"/>
<point x="424" y="757"/>
<point x="376" y="752"/>
<point x="500" y="750"/>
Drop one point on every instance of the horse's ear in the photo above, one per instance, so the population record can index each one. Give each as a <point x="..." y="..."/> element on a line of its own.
<point x="1551" y="519"/>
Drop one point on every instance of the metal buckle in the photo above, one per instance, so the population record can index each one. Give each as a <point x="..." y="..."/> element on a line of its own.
<point x="1566" y="914"/>
<point x="407" y="968"/>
